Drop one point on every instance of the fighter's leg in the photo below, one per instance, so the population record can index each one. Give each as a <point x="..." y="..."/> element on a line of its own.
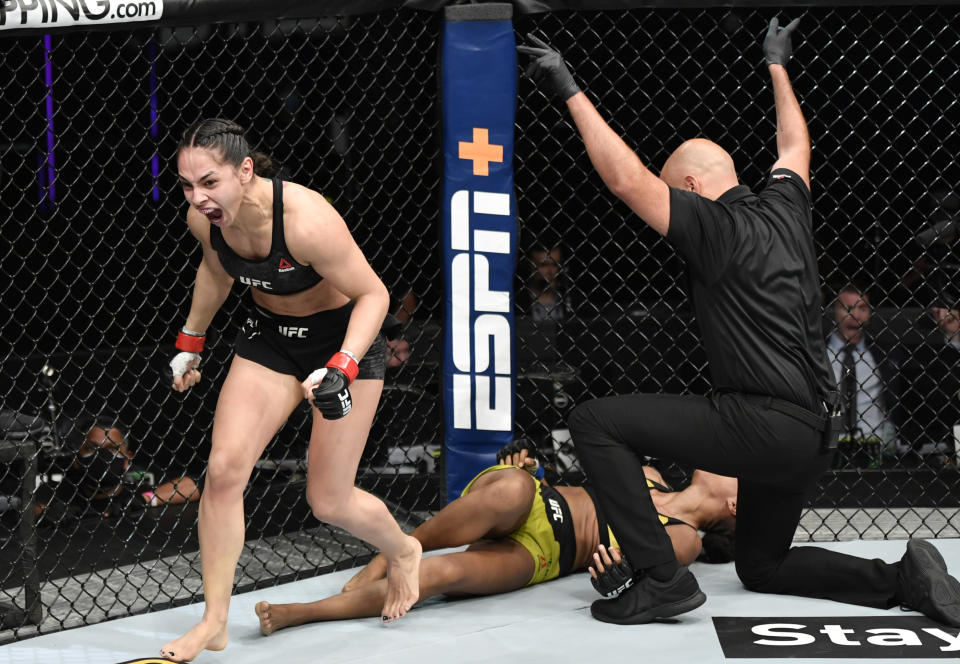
<point x="254" y="403"/>
<point x="335" y="449"/>
<point x="496" y="505"/>
<point x="486" y="568"/>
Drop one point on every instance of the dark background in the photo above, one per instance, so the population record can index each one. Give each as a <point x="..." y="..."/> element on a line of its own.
<point x="96" y="282"/>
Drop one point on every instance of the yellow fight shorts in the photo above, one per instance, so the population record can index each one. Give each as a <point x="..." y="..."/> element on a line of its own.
<point x="547" y="524"/>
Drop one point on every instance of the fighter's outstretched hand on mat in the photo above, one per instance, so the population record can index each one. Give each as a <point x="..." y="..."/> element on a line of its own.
<point x="546" y="63"/>
<point x="777" y="46"/>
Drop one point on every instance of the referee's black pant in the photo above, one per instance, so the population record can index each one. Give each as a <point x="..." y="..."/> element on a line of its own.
<point x="777" y="460"/>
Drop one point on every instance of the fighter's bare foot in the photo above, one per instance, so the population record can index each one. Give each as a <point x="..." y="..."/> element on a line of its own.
<point x="403" y="582"/>
<point x="202" y="636"/>
<point x="375" y="570"/>
<point x="273" y="617"/>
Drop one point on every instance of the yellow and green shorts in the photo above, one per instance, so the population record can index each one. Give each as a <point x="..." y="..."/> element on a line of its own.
<point x="547" y="533"/>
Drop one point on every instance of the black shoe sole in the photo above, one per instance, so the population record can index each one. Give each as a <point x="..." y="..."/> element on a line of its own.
<point x="662" y="611"/>
<point x="941" y="591"/>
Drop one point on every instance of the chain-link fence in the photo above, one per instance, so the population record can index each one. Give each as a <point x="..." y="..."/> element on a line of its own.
<point x="99" y="265"/>
<point x="877" y="87"/>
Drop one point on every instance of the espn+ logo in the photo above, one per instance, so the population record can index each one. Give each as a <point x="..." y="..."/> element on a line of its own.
<point x="481" y="334"/>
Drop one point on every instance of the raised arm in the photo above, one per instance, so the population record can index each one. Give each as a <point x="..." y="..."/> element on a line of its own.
<point x="619" y="166"/>
<point x="793" y="139"/>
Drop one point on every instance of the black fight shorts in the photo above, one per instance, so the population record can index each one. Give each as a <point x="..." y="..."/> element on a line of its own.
<point x="299" y="345"/>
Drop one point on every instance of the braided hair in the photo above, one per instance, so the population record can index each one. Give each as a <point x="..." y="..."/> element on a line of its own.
<point x="227" y="138"/>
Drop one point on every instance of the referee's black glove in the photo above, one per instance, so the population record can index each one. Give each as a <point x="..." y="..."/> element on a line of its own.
<point x="777" y="47"/>
<point x="546" y="63"/>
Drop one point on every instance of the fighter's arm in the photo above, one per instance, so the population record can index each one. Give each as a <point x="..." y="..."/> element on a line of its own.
<point x="686" y="543"/>
<point x="793" y="138"/>
<point x="620" y="167"/>
<point x="212" y="284"/>
<point x="320" y="238"/>
<point x="210" y="289"/>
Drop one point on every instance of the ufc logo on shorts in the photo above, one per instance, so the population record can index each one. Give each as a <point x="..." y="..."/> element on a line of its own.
<point x="488" y="337"/>
<point x="555" y="508"/>
<point x="298" y="332"/>
<point x="256" y="283"/>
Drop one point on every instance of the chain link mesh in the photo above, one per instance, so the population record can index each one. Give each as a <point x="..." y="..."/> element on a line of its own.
<point x="875" y="85"/>
<point x="99" y="265"/>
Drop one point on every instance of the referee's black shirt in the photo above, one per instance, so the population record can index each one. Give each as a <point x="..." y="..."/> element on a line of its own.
<point x="754" y="285"/>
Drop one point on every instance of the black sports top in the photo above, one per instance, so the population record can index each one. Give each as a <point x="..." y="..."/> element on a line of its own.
<point x="278" y="273"/>
<point x="607" y="538"/>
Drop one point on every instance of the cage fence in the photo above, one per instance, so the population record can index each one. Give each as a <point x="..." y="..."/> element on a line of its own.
<point x="99" y="266"/>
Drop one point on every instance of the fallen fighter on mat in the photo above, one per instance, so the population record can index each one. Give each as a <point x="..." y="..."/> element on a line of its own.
<point x="522" y="532"/>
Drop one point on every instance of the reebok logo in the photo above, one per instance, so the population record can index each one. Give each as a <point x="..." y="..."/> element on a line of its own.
<point x="284" y="265"/>
<point x="861" y="637"/>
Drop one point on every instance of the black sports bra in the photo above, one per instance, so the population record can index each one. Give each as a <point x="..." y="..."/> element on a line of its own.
<point x="607" y="538"/>
<point x="278" y="273"/>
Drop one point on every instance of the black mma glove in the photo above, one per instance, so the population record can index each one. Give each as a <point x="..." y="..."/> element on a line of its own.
<point x="777" y="47"/>
<point x="331" y="395"/>
<point x="505" y="453"/>
<point x="547" y="63"/>
<point x="614" y="579"/>
<point x="508" y="455"/>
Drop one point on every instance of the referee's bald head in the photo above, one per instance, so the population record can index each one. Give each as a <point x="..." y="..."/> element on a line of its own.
<point x="701" y="166"/>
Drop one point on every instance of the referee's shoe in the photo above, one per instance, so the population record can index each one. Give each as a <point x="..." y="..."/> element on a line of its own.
<point x="924" y="585"/>
<point x="649" y="599"/>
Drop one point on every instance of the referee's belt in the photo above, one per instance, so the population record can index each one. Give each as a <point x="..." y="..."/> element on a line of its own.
<point x="808" y="417"/>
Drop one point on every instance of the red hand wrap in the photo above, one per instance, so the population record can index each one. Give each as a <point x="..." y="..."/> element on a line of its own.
<point x="189" y="342"/>
<point x="346" y="364"/>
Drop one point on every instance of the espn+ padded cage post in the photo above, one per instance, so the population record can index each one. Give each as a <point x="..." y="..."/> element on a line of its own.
<point x="479" y="79"/>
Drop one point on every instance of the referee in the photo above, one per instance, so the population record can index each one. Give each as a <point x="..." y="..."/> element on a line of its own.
<point x="752" y="277"/>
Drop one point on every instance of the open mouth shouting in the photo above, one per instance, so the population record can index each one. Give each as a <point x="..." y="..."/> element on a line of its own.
<point x="213" y="215"/>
